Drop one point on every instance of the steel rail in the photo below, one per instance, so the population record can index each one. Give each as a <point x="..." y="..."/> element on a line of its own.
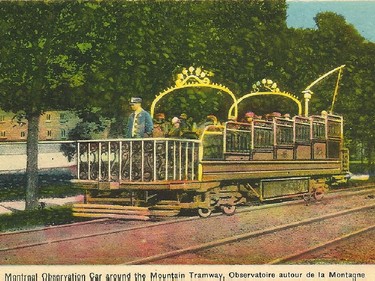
<point x="155" y="224"/>
<point x="22" y="246"/>
<point x="332" y="242"/>
<point x="244" y="236"/>
<point x="336" y="193"/>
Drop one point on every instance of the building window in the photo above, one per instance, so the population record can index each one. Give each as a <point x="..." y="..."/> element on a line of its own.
<point x="2" y="134"/>
<point x="63" y="118"/>
<point x="48" y="117"/>
<point x="2" y="118"/>
<point x="23" y="134"/>
<point x="63" y="133"/>
<point x="49" y="134"/>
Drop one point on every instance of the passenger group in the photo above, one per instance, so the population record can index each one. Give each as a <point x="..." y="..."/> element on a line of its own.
<point x="141" y="124"/>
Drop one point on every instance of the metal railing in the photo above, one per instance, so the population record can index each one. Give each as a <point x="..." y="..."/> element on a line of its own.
<point x="138" y="160"/>
<point x="267" y="134"/>
<point x="238" y="137"/>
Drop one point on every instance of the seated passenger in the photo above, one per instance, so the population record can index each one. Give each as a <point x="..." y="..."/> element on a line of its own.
<point x="161" y="127"/>
<point x="249" y="116"/>
<point x="175" y="131"/>
<point x="185" y="123"/>
<point x="187" y="128"/>
<point x="270" y="116"/>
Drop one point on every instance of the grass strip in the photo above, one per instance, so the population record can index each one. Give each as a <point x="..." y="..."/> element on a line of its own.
<point x="21" y="220"/>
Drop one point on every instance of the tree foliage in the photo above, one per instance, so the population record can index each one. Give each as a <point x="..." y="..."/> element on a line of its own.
<point x="42" y="60"/>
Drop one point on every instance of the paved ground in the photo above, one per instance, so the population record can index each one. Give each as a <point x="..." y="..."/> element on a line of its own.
<point x="118" y="242"/>
<point x="10" y="206"/>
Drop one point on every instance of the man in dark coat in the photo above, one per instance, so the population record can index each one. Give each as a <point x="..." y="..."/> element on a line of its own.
<point x="140" y="123"/>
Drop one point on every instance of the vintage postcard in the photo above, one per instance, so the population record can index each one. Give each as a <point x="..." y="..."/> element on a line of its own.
<point x="187" y="140"/>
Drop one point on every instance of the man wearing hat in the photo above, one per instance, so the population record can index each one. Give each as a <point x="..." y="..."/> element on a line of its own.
<point x="140" y="122"/>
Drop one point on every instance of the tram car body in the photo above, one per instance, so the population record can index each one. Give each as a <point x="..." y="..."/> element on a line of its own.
<point x="229" y="165"/>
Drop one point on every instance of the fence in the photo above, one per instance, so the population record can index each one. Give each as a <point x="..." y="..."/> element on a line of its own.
<point x="138" y="160"/>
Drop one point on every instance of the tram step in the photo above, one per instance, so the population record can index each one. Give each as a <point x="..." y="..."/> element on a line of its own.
<point x="168" y="202"/>
<point x="164" y="213"/>
<point x="120" y="212"/>
<point x="108" y="200"/>
<point x="108" y="206"/>
<point x="166" y="207"/>
<point x="111" y="211"/>
<point x="112" y="216"/>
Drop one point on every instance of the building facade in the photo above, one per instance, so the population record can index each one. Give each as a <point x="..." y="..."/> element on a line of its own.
<point x="53" y="125"/>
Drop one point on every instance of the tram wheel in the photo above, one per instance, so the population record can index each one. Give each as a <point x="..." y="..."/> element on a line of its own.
<point x="204" y="213"/>
<point x="228" y="210"/>
<point x="307" y="198"/>
<point x="318" y="195"/>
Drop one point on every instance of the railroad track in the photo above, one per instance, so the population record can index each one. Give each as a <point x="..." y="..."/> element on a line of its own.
<point x="143" y="224"/>
<point x="21" y="244"/>
<point x="331" y="243"/>
<point x="259" y="233"/>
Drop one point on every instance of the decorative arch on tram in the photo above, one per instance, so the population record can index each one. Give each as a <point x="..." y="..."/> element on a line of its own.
<point x="272" y="90"/>
<point x="195" y="78"/>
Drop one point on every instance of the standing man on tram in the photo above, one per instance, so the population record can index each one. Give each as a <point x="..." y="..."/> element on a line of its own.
<point x="140" y="123"/>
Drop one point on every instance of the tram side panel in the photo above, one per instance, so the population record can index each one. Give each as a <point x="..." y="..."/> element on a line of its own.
<point x="281" y="150"/>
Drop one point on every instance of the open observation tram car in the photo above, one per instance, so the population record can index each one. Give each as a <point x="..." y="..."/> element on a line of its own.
<point x="228" y="165"/>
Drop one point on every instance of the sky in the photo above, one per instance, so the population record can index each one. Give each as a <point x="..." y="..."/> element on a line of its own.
<point x="360" y="13"/>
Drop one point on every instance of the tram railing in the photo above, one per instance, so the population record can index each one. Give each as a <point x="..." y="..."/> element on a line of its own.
<point x="138" y="160"/>
<point x="282" y="132"/>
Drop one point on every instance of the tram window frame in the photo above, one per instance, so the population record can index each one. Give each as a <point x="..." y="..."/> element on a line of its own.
<point x="319" y="130"/>
<point x="318" y="127"/>
<point x="284" y="132"/>
<point x="265" y="141"/>
<point x="302" y="130"/>
<point x="334" y="129"/>
<point x="302" y="133"/>
<point x="238" y="137"/>
<point x="210" y="146"/>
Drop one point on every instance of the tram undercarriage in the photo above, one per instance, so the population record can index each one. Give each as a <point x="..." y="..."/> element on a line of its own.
<point x="209" y="197"/>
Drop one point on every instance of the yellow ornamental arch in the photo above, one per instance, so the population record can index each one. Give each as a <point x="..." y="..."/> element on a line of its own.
<point x="195" y="78"/>
<point x="272" y="89"/>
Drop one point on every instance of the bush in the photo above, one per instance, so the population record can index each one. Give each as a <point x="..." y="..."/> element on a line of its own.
<point x="359" y="168"/>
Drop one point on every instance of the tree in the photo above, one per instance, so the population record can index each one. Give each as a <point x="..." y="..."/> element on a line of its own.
<point x="358" y="102"/>
<point x="41" y="63"/>
<point x="148" y="41"/>
<point x="339" y="42"/>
